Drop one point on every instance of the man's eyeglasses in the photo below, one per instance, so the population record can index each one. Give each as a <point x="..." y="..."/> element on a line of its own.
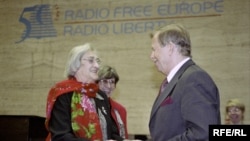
<point x="92" y="60"/>
<point x="108" y="82"/>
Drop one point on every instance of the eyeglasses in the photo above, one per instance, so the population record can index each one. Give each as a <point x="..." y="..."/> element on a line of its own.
<point x="233" y="110"/>
<point x="108" y="83"/>
<point x="92" y="60"/>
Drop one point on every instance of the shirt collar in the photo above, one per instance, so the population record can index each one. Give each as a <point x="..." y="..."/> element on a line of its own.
<point x="176" y="68"/>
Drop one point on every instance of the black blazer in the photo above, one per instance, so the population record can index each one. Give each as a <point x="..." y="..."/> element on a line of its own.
<point x="60" y="122"/>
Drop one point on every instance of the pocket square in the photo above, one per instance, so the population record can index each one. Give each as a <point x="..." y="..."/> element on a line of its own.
<point x="168" y="100"/>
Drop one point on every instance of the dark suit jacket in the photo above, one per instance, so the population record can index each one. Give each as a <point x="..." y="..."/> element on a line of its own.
<point x="186" y="107"/>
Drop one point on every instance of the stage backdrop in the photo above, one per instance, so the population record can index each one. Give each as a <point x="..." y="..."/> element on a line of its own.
<point x="36" y="37"/>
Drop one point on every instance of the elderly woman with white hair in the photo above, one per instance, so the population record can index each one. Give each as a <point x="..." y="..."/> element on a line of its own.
<point x="76" y="109"/>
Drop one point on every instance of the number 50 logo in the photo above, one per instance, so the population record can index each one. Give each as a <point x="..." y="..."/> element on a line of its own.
<point x="38" y="22"/>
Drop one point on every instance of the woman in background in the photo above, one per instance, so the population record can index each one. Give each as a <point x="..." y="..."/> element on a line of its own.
<point x="108" y="79"/>
<point x="235" y="110"/>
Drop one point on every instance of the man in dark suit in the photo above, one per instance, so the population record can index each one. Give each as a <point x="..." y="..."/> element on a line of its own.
<point x="190" y="101"/>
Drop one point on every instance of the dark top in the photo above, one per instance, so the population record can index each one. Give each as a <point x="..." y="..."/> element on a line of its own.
<point x="60" y="122"/>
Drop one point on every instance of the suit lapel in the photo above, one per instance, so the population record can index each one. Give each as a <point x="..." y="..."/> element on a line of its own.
<point x="170" y="87"/>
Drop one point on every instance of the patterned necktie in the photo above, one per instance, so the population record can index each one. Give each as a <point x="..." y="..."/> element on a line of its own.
<point x="163" y="85"/>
